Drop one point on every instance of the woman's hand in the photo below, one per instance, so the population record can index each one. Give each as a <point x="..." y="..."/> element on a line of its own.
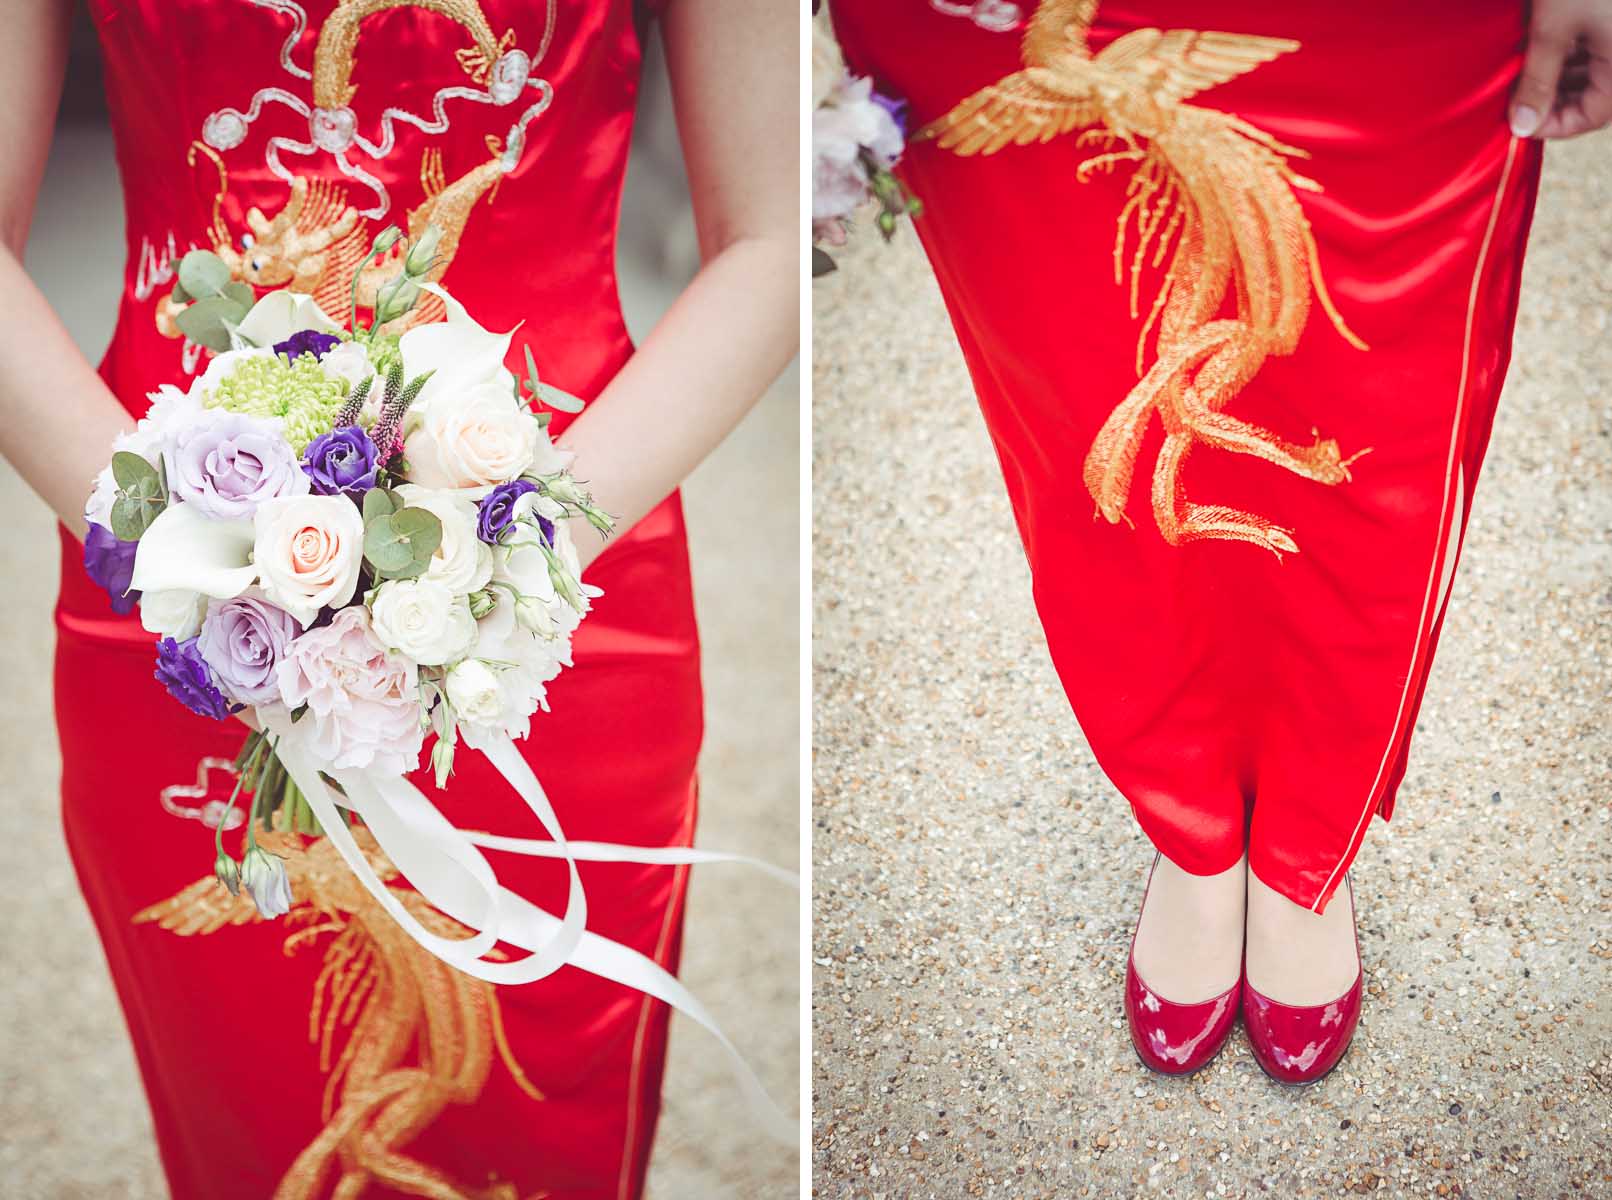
<point x="1566" y="84"/>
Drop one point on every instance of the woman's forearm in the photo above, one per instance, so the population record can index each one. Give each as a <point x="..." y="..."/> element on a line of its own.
<point x="704" y="366"/>
<point x="57" y="418"/>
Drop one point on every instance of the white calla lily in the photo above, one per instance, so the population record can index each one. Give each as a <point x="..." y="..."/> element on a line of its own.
<point x="185" y="549"/>
<point x="460" y="352"/>
<point x="278" y="315"/>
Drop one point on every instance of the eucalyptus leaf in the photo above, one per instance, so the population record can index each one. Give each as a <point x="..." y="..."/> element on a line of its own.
<point x="202" y="274"/>
<point x="532" y="380"/>
<point x="399" y="545"/>
<point x="179" y="295"/>
<point x="132" y="471"/>
<point x="379" y="502"/>
<point x="555" y="398"/>
<point x="206" y="321"/>
<point x="132" y="515"/>
<point x="240" y="292"/>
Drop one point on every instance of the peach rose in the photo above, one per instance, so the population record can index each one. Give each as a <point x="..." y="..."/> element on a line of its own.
<point x="307" y="552"/>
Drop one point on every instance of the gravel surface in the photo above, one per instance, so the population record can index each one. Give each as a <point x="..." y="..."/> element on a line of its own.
<point x="976" y="877"/>
<point x="71" y="1107"/>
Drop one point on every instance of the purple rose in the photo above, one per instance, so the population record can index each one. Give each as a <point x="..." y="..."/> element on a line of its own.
<point x="342" y="461"/>
<point x="241" y="641"/>
<point x="227" y="463"/>
<point x="110" y="562"/>
<point x="307" y="341"/>
<point x="182" y="671"/>
<point x="495" y="515"/>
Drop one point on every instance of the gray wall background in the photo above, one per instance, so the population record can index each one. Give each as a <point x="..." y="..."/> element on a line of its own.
<point x="71" y="1104"/>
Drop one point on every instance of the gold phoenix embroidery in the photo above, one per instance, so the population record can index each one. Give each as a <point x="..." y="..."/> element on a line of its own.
<point x="1221" y="193"/>
<point x="389" y="995"/>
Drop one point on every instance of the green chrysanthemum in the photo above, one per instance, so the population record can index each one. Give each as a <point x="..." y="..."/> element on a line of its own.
<point x="384" y="348"/>
<point x="300" y="394"/>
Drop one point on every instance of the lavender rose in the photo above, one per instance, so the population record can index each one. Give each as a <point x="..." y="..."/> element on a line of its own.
<point x="495" y="515"/>
<point x="307" y="341"/>
<point x="110" y="562"/>
<point x="343" y="461"/>
<point x="181" y="669"/>
<point x="242" y="640"/>
<point x="228" y="463"/>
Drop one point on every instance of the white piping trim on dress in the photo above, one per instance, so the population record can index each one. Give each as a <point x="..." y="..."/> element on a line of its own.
<point x="1437" y="581"/>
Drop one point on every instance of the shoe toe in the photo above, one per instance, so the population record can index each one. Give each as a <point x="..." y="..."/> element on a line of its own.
<point x="1297" y="1044"/>
<point x="1176" y="1039"/>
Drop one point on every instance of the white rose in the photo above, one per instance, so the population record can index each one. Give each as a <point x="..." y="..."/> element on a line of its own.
<point x="307" y="550"/>
<point x="422" y="620"/>
<point x="463" y="562"/>
<point x="474" y="693"/>
<point x="470" y="439"/>
<point x="173" y="612"/>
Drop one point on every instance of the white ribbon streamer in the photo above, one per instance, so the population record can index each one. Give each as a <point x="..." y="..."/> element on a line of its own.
<point x="446" y="867"/>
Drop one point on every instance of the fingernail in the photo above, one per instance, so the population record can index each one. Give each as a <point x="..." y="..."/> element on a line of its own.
<point x="1524" y="121"/>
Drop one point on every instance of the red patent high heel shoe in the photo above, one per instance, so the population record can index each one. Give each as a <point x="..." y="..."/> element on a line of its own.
<point x="1300" y="1044"/>
<point x="1171" y="1038"/>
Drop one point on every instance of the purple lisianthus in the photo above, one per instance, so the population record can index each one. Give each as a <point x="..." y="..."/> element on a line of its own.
<point x="343" y="461"/>
<point x="110" y="562"/>
<point x="227" y="463"/>
<point x="307" y="341"/>
<point x="182" y="670"/>
<point x="495" y="515"/>
<point x="896" y="108"/>
<point x="241" y="641"/>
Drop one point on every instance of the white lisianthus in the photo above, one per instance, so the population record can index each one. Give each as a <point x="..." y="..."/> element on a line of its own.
<point x="523" y="567"/>
<point x="463" y="563"/>
<point x="476" y="438"/>
<point x="522" y="687"/>
<point x="171" y="410"/>
<point x="173" y="612"/>
<point x="98" y="508"/>
<point x="307" y="550"/>
<point x="349" y="361"/>
<point x="422" y="620"/>
<point x="474" y="693"/>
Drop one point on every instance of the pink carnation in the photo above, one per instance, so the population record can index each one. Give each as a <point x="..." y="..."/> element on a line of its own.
<point x="362" y="701"/>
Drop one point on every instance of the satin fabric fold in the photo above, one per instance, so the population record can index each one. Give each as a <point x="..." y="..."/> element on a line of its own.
<point x="618" y="750"/>
<point x="1241" y="698"/>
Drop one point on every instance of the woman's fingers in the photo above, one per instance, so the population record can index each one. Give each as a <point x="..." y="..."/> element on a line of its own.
<point x="1534" y="102"/>
<point x="1566" y="83"/>
<point x="1586" y="92"/>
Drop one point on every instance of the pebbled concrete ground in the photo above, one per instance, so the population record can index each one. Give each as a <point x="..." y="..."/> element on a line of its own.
<point x="74" y="1121"/>
<point x="976" y="877"/>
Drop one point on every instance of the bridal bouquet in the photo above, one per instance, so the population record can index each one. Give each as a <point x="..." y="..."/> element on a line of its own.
<point x="858" y="136"/>
<point x="354" y="536"/>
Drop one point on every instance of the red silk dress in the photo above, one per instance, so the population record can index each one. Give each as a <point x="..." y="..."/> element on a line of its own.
<point x="1237" y="311"/>
<point x="320" y="1055"/>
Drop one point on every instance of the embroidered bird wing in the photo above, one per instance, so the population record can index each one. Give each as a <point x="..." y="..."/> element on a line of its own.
<point x="1033" y="105"/>
<point x="1178" y="63"/>
<point x="206" y="906"/>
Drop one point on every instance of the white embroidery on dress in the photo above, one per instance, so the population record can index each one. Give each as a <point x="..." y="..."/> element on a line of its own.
<point x="993" y="16"/>
<point x="154" y="267"/>
<point x="333" y="126"/>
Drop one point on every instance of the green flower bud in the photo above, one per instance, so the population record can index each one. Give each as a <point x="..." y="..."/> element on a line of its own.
<point x="396" y="297"/>
<point x="564" y="489"/>
<point x="534" y="615"/>
<point x="442" y="760"/>
<point x="483" y="602"/>
<point x="228" y="872"/>
<point x="422" y="252"/>
<point x="386" y="239"/>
